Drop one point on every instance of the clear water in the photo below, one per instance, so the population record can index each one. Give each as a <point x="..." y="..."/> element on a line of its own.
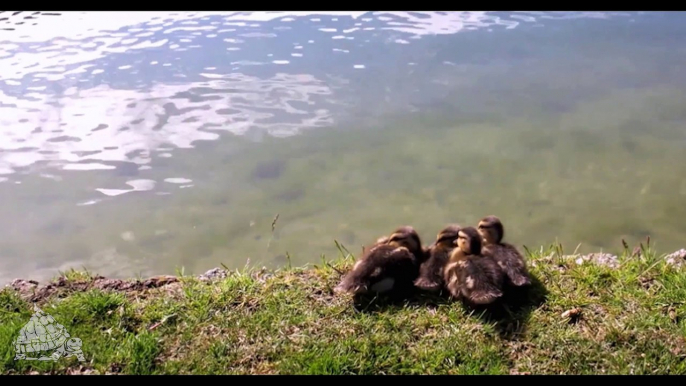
<point x="139" y="143"/>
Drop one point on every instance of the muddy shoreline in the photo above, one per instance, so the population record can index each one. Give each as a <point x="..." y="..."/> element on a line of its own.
<point x="33" y="291"/>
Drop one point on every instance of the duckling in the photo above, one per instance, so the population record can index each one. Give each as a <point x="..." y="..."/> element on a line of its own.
<point x="508" y="257"/>
<point x="431" y="271"/>
<point x="392" y="263"/>
<point x="471" y="274"/>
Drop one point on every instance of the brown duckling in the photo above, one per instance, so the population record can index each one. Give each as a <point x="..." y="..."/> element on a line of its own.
<point x="508" y="257"/>
<point x="471" y="274"/>
<point x="392" y="263"/>
<point x="431" y="271"/>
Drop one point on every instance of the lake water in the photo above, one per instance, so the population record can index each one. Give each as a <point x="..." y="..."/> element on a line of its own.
<point x="136" y="143"/>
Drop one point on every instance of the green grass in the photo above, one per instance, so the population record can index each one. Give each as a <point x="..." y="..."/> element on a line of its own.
<point x="629" y="320"/>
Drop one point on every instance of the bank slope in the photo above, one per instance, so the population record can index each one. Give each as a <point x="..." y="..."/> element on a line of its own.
<point x="582" y="316"/>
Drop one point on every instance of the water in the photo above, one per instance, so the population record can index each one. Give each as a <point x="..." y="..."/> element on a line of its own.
<point x="139" y="143"/>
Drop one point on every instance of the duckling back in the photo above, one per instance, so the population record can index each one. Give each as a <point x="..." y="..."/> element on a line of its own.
<point x="511" y="262"/>
<point x="476" y="279"/>
<point x="381" y="269"/>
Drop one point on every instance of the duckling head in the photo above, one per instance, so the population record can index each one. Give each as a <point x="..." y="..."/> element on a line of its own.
<point x="491" y="230"/>
<point x="469" y="241"/>
<point x="447" y="236"/>
<point x="406" y="236"/>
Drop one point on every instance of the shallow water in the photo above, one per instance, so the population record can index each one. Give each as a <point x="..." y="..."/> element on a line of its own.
<point x="139" y="143"/>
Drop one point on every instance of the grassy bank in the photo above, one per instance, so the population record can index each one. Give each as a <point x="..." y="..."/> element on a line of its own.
<point x="579" y="318"/>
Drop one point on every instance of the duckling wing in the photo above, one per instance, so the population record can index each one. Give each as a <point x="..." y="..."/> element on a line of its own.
<point x="431" y="271"/>
<point x="454" y="274"/>
<point x="381" y="269"/>
<point x="513" y="264"/>
<point x="481" y="281"/>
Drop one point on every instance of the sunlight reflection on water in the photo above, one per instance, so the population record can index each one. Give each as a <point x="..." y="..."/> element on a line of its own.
<point x="100" y="106"/>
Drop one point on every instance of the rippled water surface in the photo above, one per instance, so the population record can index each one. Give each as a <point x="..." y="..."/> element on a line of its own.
<point x="141" y="142"/>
